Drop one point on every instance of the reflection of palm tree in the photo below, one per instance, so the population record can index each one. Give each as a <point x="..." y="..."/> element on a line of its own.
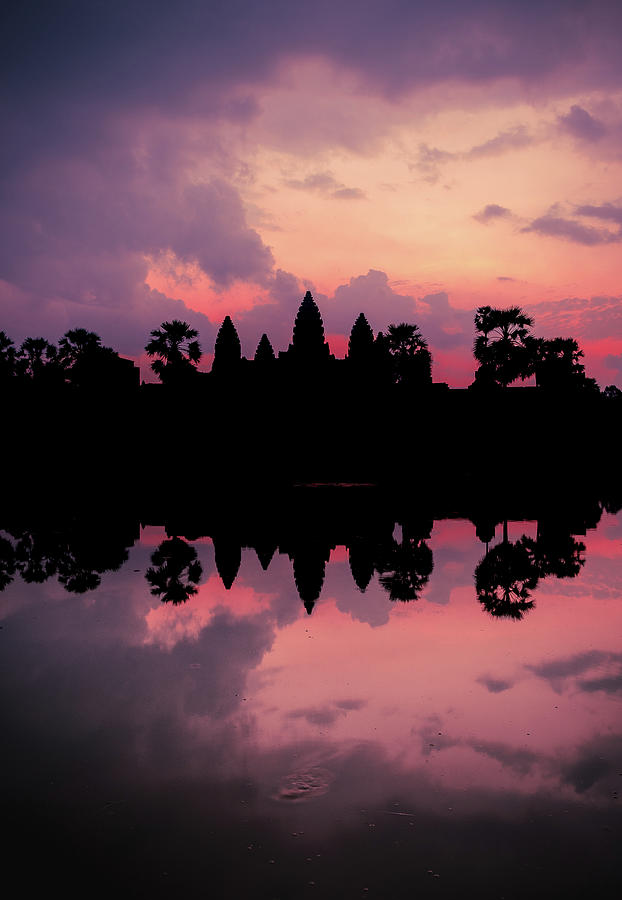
<point x="177" y="571"/>
<point x="7" y="563"/>
<point x="505" y="577"/>
<point x="78" y="561"/>
<point x="405" y="568"/>
<point x="177" y="350"/>
<point x="555" y="553"/>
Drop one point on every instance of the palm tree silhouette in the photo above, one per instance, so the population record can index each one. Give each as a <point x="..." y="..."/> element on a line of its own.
<point x="7" y="356"/>
<point x="178" y="351"/>
<point x="412" y="361"/>
<point x="502" y="347"/>
<point x="77" y="342"/>
<point x="35" y="356"/>
<point x="175" y="572"/>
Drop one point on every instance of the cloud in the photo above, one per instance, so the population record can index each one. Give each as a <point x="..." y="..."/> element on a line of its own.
<point x="79" y="236"/>
<point x="318" y="181"/>
<point x="580" y="124"/>
<point x="346" y="193"/>
<point x="587" y="318"/>
<point x="570" y="230"/>
<point x="325" y="183"/>
<point x="488" y="214"/>
<point x="505" y="278"/>
<point x="504" y="142"/>
<point x="612" y="361"/>
<point x="429" y="160"/>
<point x="606" y="211"/>
<point x="198" y="58"/>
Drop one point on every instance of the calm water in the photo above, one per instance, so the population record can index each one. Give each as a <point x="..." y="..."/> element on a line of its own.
<point x="235" y="746"/>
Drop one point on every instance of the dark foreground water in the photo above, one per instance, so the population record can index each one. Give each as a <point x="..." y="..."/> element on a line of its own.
<point x="233" y="745"/>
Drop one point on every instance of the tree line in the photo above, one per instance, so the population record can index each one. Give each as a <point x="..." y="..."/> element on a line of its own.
<point x="505" y="348"/>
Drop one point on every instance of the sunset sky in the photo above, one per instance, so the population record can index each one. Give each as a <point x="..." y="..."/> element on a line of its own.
<point x="410" y="160"/>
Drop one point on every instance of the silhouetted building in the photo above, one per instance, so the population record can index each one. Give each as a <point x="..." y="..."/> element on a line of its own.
<point x="264" y="354"/>
<point x="227" y="349"/>
<point x="308" y="344"/>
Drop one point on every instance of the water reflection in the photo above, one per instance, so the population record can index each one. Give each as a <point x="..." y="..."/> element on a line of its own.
<point x="175" y="571"/>
<point x="234" y="744"/>
<point x="382" y="539"/>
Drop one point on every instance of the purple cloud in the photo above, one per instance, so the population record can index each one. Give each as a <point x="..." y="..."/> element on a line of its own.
<point x="490" y="212"/>
<point x="317" y="181"/>
<point x="504" y="142"/>
<point x="607" y="211"/>
<point x="612" y="361"/>
<point x="325" y="183"/>
<point x="429" y="160"/>
<point x="570" y="230"/>
<point x="347" y="193"/>
<point x="580" y="124"/>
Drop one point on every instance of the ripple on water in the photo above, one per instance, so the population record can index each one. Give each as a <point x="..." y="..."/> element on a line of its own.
<point x="304" y="785"/>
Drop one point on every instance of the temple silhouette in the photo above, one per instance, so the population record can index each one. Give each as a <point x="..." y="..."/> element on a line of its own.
<point x="77" y="411"/>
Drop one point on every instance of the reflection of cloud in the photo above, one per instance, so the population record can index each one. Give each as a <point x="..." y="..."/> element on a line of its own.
<point x="328" y="714"/>
<point x="594" y="763"/>
<point x="557" y="672"/>
<point x="516" y="758"/>
<point x="317" y="715"/>
<point x="351" y="704"/>
<point x="568" y="666"/>
<point x="611" y="684"/>
<point x="495" y="685"/>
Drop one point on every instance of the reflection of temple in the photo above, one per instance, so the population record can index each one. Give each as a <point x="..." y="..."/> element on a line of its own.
<point x="305" y="524"/>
